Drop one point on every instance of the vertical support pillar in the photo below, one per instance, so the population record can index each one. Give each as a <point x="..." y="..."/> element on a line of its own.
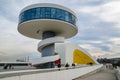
<point x="48" y="50"/>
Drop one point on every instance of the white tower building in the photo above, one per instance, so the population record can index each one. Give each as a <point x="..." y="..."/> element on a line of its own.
<point x="50" y="22"/>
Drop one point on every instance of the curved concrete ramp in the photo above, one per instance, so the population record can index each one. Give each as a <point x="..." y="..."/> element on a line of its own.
<point x="42" y="60"/>
<point x="52" y="74"/>
<point x="104" y="74"/>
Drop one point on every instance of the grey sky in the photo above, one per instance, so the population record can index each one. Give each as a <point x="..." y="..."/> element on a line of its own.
<point x="98" y="23"/>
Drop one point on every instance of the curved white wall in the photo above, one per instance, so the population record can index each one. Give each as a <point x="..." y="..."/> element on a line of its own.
<point x="118" y="73"/>
<point x="42" y="60"/>
<point x="48" y="41"/>
<point x="47" y="5"/>
<point x="65" y="50"/>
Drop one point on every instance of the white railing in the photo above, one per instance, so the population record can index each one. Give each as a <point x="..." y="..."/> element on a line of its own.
<point x="46" y="74"/>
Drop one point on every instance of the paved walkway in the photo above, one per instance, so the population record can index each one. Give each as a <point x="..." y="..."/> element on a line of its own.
<point x="104" y="74"/>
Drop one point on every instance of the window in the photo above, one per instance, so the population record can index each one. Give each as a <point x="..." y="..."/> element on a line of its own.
<point x="37" y="13"/>
<point x="53" y="13"/>
<point x="47" y="13"/>
<point x="66" y="16"/>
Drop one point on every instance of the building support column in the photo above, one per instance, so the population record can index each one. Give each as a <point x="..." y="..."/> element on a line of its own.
<point x="48" y="50"/>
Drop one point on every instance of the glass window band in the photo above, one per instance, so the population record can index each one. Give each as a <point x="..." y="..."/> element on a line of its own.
<point x="47" y="13"/>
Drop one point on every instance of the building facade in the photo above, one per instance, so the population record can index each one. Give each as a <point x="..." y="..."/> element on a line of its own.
<point x="52" y="24"/>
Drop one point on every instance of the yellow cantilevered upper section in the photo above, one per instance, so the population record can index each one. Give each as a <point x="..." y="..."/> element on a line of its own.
<point x="80" y="57"/>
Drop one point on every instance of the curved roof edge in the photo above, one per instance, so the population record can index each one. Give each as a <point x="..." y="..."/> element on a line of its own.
<point x="47" y="5"/>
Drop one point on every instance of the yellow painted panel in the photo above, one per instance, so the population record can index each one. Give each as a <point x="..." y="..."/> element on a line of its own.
<point x="80" y="57"/>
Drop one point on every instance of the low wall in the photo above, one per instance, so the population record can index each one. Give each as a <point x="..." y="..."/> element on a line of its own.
<point x="118" y="73"/>
<point x="68" y="74"/>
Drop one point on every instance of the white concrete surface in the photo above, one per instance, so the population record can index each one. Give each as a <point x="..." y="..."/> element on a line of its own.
<point x="56" y="75"/>
<point x="31" y="27"/>
<point x="66" y="50"/>
<point x="118" y="73"/>
<point x="42" y="60"/>
<point x="49" y="41"/>
<point x="47" y="5"/>
<point x="103" y="74"/>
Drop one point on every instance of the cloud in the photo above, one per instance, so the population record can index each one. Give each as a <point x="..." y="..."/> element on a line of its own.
<point x="94" y="51"/>
<point x="12" y="42"/>
<point x="98" y="52"/>
<point x="99" y="28"/>
<point x="98" y="24"/>
<point x="108" y="12"/>
<point x="115" y="40"/>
